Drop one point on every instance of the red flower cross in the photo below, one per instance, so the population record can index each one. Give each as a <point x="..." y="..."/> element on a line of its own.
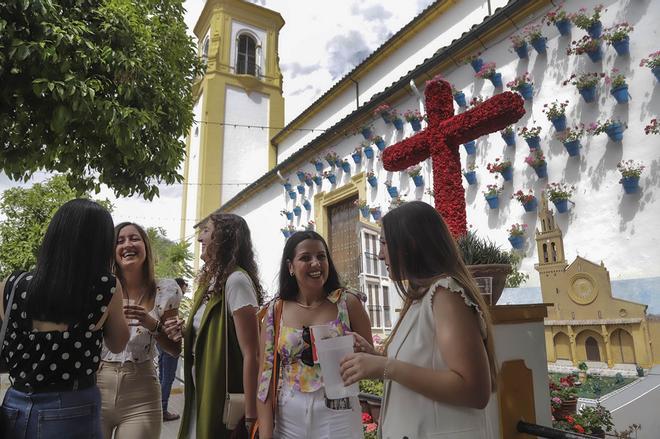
<point x="441" y="139"/>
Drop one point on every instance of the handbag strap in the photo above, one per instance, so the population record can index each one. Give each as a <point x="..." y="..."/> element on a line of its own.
<point x="5" y="320"/>
<point x="276" y="373"/>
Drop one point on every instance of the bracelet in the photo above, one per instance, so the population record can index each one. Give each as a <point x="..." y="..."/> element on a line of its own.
<point x="387" y="370"/>
<point x="157" y="328"/>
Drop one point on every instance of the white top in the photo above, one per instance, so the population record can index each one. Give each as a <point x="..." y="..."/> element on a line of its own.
<point x="141" y="344"/>
<point x="407" y="413"/>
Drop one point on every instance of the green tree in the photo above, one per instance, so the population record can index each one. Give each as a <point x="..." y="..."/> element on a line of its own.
<point x="97" y="89"/>
<point x="171" y="259"/>
<point x="27" y="213"/>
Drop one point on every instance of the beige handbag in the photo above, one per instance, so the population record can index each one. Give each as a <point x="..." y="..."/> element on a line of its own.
<point x="234" y="402"/>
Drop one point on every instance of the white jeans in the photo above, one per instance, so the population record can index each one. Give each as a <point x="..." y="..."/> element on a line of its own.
<point x="305" y="416"/>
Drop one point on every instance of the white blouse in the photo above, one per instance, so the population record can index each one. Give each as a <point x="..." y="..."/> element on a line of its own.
<point x="141" y="344"/>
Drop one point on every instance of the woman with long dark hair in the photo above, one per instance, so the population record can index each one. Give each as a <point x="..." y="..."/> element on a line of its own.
<point x="310" y="293"/>
<point x="130" y="389"/>
<point x="439" y="366"/>
<point x="221" y="349"/>
<point x="61" y="314"/>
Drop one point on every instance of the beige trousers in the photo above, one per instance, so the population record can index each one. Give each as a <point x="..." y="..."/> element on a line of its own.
<point x="130" y="400"/>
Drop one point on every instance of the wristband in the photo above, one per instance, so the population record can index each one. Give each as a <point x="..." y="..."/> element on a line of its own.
<point x="157" y="328"/>
<point x="387" y="370"/>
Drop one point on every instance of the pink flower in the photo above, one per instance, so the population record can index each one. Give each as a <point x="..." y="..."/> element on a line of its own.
<point x="371" y="428"/>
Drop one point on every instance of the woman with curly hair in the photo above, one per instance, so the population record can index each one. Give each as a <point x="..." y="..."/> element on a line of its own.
<point x="213" y="357"/>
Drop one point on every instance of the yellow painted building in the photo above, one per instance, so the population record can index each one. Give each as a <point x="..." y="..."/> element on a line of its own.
<point x="585" y="322"/>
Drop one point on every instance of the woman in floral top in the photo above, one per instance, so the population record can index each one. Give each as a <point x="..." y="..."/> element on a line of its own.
<point x="311" y="294"/>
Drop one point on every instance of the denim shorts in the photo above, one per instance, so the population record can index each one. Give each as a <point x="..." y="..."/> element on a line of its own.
<point x="73" y="415"/>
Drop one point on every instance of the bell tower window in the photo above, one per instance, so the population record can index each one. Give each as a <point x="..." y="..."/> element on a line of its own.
<point x="246" y="58"/>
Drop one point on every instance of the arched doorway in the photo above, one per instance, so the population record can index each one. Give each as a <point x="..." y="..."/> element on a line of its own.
<point x="623" y="347"/>
<point x="562" y="346"/>
<point x="591" y="346"/>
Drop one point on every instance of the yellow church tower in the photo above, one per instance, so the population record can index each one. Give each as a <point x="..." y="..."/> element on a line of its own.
<point x="236" y="101"/>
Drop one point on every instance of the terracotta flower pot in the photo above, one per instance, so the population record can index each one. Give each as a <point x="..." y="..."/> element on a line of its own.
<point x="568" y="407"/>
<point x="498" y="274"/>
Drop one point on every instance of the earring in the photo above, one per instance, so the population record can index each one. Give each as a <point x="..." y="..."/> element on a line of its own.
<point x="291" y="273"/>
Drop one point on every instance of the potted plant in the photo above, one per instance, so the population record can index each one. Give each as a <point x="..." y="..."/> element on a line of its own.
<point x="308" y="179"/>
<point x="306" y="204"/>
<point x="588" y="45"/>
<point x="618" y="86"/>
<point x="317" y="179"/>
<point x="589" y="22"/>
<point x="537" y="161"/>
<point x="475" y="61"/>
<point x="487" y="71"/>
<point x="523" y="84"/>
<point x="653" y="63"/>
<point x="415" y="172"/>
<point x="301" y="189"/>
<point x="570" y="137"/>
<point x="563" y="397"/>
<point x="618" y="37"/>
<point x="612" y="127"/>
<point x="476" y="100"/>
<point x="380" y="144"/>
<point x="503" y="167"/>
<point x="384" y="111"/>
<point x="311" y="225"/>
<point x="459" y="97"/>
<point x="560" y="19"/>
<point x="528" y="200"/>
<point x="492" y="195"/>
<point x="357" y="155"/>
<point x="556" y="113"/>
<point x="519" y="45"/>
<point x="367" y="149"/>
<point x="535" y="36"/>
<point x="301" y="175"/>
<point x="331" y="157"/>
<point x="396" y="120"/>
<point x="470" y="147"/>
<point x="375" y="213"/>
<point x="288" y="230"/>
<point x="371" y="179"/>
<point x="586" y="84"/>
<point x="363" y="207"/>
<point x="297" y="210"/>
<point x="595" y="420"/>
<point x="397" y="201"/>
<point x="414" y="117"/>
<point x="630" y="172"/>
<point x="640" y="371"/>
<point x="582" y="374"/>
<point x="652" y="128"/>
<point x="287" y="185"/>
<point x="332" y="178"/>
<point x="292" y="194"/>
<point x="517" y="235"/>
<point x="367" y="130"/>
<point x="559" y="194"/>
<point x="392" y="190"/>
<point x="287" y="213"/>
<point x="345" y="166"/>
<point x="509" y="135"/>
<point x="531" y="136"/>
<point x="470" y="173"/>
<point x="318" y="164"/>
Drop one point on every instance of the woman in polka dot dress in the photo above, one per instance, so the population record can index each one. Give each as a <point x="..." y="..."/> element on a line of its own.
<point x="61" y="314"/>
<point x="130" y="389"/>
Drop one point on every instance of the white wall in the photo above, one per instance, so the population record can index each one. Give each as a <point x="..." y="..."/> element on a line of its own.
<point x="192" y="162"/>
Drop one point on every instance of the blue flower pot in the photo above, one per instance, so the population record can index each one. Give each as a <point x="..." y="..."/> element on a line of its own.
<point x="365" y="211"/>
<point x="656" y="72"/>
<point x="517" y="242"/>
<point x="541" y="170"/>
<point x="398" y="123"/>
<point x="470" y="147"/>
<point x="368" y="152"/>
<point x="589" y="93"/>
<point x="318" y="166"/>
<point x="615" y="132"/>
<point x="287" y="187"/>
<point x="533" y="142"/>
<point x="380" y="144"/>
<point x="366" y="132"/>
<point x="307" y="205"/>
<point x="301" y="176"/>
<point x="496" y="79"/>
<point x="339" y="163"/>
<point x="622" y="47"/>
<point x="386" y="118"/>
<point x="561" y="205"/>
<point x="418" y="180"/>
<point x="595" y="30"/>
<point x="539" y="44"/>
<point x="531" y="206"/>
<point x="460" y="99"/>
<point x="375" y="214"/>
<point x="373" y="181"/>
<point x="559" y="123"/>
<point x="595" y="55"/>
<point x="620" y="94"/>
<point x="507" y="173"/>
<point x="317" y="180"/>
<point x="564" y="26"/>
<point x="477" y="64"/>
<point x="289" y="216"/>
<point x="630" y="184"/>
<point x="527" y="91"/>
<point x="309" y="182"/>
<point x="331" y="162"/>
<point x="301" y="189"/>
<point x="346" y="166"/>
<point x="297" y="211"/>
<point x="286" y="233"/>
<point x="416" y="125"/>
<point x="493" y="201"/>
<point x="521" y="51"/>
<point x="332" y="179"/>
<point x="572" y="147"/>
<point x="470" y="177"/>
<point x="393" y="191"/>
<point x="292" y="195"/>
<point x="357" y="157"/>
<point x="509" y="139"/>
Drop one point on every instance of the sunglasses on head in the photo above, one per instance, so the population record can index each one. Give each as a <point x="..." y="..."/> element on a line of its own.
<point x="306" y="355"/>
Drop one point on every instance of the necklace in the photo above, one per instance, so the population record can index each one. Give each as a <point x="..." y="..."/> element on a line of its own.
<point x="313" y="306"/>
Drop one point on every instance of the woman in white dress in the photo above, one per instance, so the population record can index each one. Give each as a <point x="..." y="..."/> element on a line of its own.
<point x="439" y="364"/>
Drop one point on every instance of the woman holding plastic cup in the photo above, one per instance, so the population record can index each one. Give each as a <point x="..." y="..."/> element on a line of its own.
<point x="130" y="390"/>
<point x="311" y="304"/>
<point x="439" y="364"/>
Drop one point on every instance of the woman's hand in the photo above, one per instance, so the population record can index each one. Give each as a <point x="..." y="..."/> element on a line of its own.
<point x="138" y="316"/>
<point x="356" y="367"/>
<point x="360" y="344"/>
<point x="174" y="329"/>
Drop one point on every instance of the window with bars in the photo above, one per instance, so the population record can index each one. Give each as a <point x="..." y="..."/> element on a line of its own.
<point x="375" y="281"/>
<point x="246" y="58"/>
<point x="205" y="49"/>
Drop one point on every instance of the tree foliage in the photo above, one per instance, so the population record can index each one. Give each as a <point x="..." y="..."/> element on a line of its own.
<point x="171" y="259"/>
<point x="97" y="89"/>
<point x="27" y="213"/>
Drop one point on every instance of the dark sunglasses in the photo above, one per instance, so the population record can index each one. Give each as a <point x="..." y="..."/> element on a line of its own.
<point x="306" y="355"/>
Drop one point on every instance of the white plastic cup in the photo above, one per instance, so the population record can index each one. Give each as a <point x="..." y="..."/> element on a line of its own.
<point x="331" y="351"/>
<point x="319" y="332"/>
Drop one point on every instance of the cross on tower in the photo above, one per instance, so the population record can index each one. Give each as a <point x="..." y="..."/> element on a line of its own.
<point x="441" y="139"/>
